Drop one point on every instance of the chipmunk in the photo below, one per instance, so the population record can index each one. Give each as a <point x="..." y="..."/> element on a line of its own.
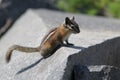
<point x="52" y="41"/>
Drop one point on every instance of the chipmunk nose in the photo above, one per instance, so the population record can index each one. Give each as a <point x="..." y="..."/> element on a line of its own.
<point x="78" y="30"/>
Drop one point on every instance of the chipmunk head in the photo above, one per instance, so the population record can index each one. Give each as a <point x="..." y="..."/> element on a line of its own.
<point x="72" y="25"/>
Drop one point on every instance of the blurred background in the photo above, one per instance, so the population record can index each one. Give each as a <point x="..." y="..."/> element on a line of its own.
<point x="106" y="8"/>
<point x="11" y="10"/>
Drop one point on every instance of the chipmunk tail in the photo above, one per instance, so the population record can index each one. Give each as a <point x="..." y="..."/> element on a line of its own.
<point x="8" y="55"/>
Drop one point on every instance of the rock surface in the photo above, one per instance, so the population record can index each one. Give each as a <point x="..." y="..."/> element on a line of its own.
<point x="80" y="72"/>
<point x="103" y="72"/>
<point x="31" y="28"/>
<point x="98" y="72"/>
<point x="11" y="10"/>
<point x="106" y="53"/>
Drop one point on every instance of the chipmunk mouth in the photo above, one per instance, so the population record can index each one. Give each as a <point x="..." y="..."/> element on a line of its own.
<point x="76" y="31"/>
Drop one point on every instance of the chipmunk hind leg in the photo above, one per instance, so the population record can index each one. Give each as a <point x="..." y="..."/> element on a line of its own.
<point x="49" y="52"/>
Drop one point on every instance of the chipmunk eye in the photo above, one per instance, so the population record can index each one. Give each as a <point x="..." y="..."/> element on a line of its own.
<point x="72" y="27"/>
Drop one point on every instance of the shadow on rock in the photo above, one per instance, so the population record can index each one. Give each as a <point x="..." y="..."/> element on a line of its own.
<point x="28" y="67"/>
<point x="37" y="62"/>
<point x="106" y="53"/>
<point x="74" y="47"/>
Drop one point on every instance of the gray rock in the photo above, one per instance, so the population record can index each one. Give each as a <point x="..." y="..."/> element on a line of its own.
<point x="29" y="30"/>
<point x="13" y="9"/>
<point x="98" y="72"/>
<point x="104" y="72"/>
<point x="86" y="22"/>
<point x="80" y="72"/>
<point x="106" y="53"/>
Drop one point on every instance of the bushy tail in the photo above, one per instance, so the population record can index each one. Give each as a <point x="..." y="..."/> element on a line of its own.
<point x="19" y="48"/>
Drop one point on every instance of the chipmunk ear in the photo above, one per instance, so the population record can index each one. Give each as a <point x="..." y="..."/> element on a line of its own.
<point x="67" y="20"/>
<point x="73" y="18"/>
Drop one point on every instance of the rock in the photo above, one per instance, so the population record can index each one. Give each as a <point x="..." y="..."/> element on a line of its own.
<point x="92" y="23"/>
<point x="13" y="9"/>
<point x="80" y="72"/>
<point x="98" y="72"/>
<point x="104" y="72"/>
<point x="2" y="18"/>
<point x="29" y="30"/>
<point x="106" y="53"/>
